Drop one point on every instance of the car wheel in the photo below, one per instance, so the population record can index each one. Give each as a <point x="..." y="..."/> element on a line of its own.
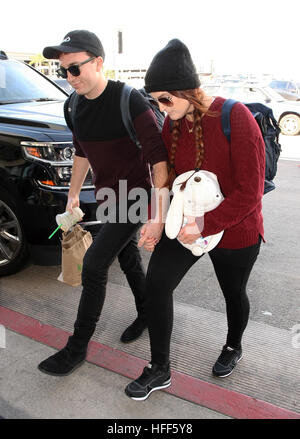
<point x="13" y="246"/>
<point x="290" y="124"/>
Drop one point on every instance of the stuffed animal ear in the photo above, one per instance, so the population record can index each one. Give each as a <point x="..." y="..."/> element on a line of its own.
<point x="174" y="216"/>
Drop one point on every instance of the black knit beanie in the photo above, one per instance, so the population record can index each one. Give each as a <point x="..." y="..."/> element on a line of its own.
<point x="172" y="68"/>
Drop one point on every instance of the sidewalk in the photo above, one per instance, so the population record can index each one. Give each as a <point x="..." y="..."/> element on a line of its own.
<point x="91" y="392"/>
<point x="34" y="304"/>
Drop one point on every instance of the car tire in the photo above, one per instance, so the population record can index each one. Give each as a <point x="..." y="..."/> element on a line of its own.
<point x="290" y="124"/>
<point x="13" y="245"/>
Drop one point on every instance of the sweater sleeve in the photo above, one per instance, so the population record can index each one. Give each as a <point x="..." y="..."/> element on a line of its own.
<point x="247" y="152"/>
<point x="147" y="129"/>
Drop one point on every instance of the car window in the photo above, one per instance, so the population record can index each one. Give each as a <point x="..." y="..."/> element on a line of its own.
<point x="278" y="84"/>
<point x="63" y="83"/>
<point x="291" y="87"/>
<point x="19" y="83"/>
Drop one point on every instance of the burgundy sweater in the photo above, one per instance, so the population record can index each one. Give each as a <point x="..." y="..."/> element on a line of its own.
<point x="100" y="136"/>
<point x="239" y="166"/>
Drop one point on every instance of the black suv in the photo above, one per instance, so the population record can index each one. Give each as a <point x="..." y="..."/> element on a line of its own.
<point x="36" y="154"/>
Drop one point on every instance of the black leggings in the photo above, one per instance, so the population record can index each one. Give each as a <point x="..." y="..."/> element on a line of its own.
<point x="168" y="265"/>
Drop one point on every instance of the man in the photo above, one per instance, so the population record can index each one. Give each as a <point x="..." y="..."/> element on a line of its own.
<point x="102" y="142"/>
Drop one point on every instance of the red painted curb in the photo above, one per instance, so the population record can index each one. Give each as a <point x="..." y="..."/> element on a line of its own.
<point x="227" y="402"/>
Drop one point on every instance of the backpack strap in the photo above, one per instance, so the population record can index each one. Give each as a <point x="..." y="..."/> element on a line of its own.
<point x="70" y="109"/>
<point x="225" y="117"/>
<point x="125" y="113"/>
<point x="71" y="104"/>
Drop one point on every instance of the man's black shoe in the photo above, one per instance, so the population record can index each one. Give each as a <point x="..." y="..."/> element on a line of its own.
<point x="227" y="361"/>
<point x="154" y="377"/>
<point x="134" y="330"/>
<point x="62" y="363"/>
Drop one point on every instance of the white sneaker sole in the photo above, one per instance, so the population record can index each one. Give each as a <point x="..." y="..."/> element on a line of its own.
<point x="142" y="398"/>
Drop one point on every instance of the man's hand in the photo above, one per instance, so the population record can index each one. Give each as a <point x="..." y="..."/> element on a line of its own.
<point x="72" y="202"/>
<point x="150" y="235"/>
<point x="151" y="231"/>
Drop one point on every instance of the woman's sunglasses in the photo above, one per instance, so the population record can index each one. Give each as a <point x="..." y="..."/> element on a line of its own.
<point x="166" y="101"/>
<point x="74" y="69"/>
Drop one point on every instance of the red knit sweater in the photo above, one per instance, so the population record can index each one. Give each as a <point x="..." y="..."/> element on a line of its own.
<point x="239" y="166"/>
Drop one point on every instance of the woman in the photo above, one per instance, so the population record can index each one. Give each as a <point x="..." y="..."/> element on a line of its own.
<point x="194" y="139"/>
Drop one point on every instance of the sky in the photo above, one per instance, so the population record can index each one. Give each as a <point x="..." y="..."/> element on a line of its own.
<point x="240" y="36"/>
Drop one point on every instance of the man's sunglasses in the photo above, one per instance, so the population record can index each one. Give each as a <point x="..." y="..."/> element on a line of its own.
<point x="166" y="101"/>
<point x="74" y="69"/>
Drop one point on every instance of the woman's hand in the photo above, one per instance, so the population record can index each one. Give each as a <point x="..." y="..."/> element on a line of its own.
<point x="189" y="233"/>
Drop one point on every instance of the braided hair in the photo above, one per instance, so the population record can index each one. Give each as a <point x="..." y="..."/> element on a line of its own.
<point x="195" y="97"/>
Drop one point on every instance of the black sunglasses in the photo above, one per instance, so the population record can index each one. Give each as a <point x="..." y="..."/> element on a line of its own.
<point x="166" y="101"/>
<point x="74" y="69"/>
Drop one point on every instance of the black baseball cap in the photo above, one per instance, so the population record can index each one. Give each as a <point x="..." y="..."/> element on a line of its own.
<point x="76" y="41"/>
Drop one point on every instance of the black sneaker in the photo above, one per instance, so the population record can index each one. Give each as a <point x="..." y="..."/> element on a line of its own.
<point x="227" y="361"/>
<point x="63" y="363"/>
<point x="154" y="377"/>
<point x="134" y="330"/>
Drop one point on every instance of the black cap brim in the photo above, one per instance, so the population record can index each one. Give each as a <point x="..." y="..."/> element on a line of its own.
<point x="53" y="52"/>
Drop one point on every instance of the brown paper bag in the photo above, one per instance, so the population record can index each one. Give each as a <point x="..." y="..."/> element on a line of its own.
<point x="74" y="244"/>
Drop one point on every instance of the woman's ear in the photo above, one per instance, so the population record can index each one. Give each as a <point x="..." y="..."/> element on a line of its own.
<point x="174" y="216"/>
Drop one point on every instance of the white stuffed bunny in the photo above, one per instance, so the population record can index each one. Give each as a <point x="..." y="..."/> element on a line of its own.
<point x="200" y="195"/>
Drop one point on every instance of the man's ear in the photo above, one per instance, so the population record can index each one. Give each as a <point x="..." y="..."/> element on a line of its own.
<point x="100" y="62"/>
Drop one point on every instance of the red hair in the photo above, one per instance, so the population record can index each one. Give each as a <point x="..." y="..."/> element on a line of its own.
<point x="195" y="97"/>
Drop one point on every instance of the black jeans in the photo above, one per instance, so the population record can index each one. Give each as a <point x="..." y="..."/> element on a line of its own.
<point x="113" y="240"/>
<point x="168" y="265"/>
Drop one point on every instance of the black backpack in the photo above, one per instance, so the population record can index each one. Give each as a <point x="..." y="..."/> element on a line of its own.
<point x="71" y="103"/>
<point x="270" y="131"/>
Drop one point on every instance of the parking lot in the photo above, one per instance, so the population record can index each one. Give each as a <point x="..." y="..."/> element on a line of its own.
<point x="290" y="147"/>
<point x="270" y="370"/>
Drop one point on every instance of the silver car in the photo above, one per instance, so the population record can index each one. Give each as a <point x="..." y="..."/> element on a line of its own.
<point x="288" y="89"/>
<point x="286" y="112"/>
